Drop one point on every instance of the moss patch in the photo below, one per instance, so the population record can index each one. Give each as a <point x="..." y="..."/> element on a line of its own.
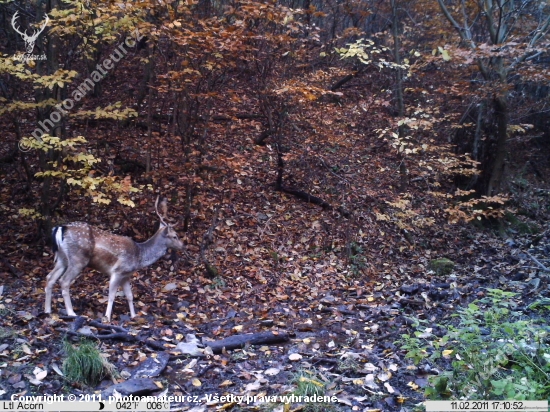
<point x="442" y="266"/>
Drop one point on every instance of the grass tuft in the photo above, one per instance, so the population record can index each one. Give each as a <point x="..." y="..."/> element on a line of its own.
<point x="84" y="364"/>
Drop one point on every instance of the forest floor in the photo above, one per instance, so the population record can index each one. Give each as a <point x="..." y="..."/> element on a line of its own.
<point x="344" y="336"/>
<point x="344" y="319"/>
<point x="344" y="289"/>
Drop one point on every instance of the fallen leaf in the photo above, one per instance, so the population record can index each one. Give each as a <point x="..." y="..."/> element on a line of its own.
<point x="40" y="373"/>
<point x="253" y="386"/>
<point x="295" y="357"/>
<point x="412" y="385"/>
<point x="384" y="376"/>
<point x="389" y="388"/>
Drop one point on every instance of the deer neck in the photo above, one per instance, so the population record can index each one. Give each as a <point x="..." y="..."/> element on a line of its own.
<point x="151" y="250"/>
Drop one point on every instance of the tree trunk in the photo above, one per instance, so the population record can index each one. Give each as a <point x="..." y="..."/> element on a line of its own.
<point x="403" y="171"/>
<point x="397" y="57"/>
<point x="497" y="171"/>
<point x="47" y="67"/>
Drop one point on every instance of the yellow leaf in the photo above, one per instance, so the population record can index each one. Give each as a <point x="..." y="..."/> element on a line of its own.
<point x="412" y="385"/>
<point x="196" y="383"/>
<point x="313" y="381"/>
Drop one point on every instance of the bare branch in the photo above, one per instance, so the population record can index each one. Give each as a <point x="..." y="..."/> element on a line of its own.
<point x="544" y="268"/>
<point x="463" y="32"/>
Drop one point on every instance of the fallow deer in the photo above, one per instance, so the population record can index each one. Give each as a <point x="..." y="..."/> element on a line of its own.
<point x="78" y="245"/>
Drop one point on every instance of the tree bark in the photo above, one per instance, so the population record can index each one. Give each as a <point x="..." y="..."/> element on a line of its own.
<point x="502" y="115"/>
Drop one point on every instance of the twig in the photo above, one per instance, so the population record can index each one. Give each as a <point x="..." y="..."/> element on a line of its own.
<point x="100" y="325"/>
<point x="331" y="171"/>
<point x="544" y="268"/>
<point x="12" y="268"/>
<point x="205" y="369"/>
<point x="207" y="240"/>
<point x="325" y="360"/>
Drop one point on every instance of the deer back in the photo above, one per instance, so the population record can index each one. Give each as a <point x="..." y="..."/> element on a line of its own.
<point x="96" y="248"/>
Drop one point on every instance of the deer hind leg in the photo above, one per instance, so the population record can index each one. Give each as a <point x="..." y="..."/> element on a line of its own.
<point x="53" y="276"/>
<point x="127" y="288"/>
<point x="71" y="273"/>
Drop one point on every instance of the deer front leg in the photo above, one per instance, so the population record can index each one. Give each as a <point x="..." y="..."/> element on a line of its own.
<point x="127" y="288"/>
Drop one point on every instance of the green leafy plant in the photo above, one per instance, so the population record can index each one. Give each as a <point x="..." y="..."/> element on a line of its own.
<point x="357" y="260"/>
<point x="217" y="282"/>
<point x="414" y="347"/>
<point x="491" y="353"/>
<point x="348" y="366"/>
<point x="7" y="333"/>
<point x="540" y="304"/>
